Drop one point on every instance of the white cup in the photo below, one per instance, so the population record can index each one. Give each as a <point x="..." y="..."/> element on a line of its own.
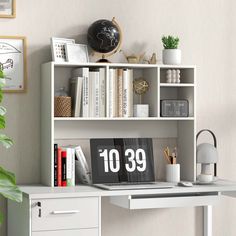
<point x="173" y="173"/>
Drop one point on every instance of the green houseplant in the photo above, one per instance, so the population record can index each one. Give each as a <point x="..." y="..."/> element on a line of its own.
<point x="8" y="188"/>
<point x="171" y="54"/>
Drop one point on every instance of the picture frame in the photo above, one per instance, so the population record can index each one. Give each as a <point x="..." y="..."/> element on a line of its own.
<point x="13" y="63"/>
<point x="58" y="48"/>
<point x="77" y="53"/>
<point x="7" y="8"/>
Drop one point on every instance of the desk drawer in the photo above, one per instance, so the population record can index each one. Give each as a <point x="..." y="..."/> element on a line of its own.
<point x="80" y="232"/>
<point x="65" y="213"/>
<point x="165" y="201"/>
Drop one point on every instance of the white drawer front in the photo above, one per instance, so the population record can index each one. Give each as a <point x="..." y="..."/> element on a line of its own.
<point x="80" y="232"/>
<point x="65" y="213"/>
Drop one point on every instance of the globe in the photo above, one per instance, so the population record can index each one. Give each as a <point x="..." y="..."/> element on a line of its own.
<point x="104" y="37"/>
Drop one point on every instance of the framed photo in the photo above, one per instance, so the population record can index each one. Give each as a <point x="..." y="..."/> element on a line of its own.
<point x="77" y="53"/>
<point x="58" y="48"/>
<point x="13" y="62"/>
<point x="7" y="8"/>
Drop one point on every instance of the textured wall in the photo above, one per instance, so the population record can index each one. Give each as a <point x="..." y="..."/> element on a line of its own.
<point x="207" y="32"/>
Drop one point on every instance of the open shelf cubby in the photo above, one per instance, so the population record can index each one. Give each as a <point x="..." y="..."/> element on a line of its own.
<point x="165" y="131"/>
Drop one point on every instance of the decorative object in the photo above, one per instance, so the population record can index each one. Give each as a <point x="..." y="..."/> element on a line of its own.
<point x="152" y="60"/>
<point x="174" y="108"/>
<point x="8" y="188"/>
<point x="58" y="48"/>
<point x="105" y="38"/>
<point x="7" y="8"/>
<point x="206" y="155"/>
<point x="173" y="173"/>
<point x="133" y="58"/>
<point x="173" y="76"/>
<point x="140" y="86"/>
<point x="13" y="62"/>
<point x="171" y="55"/>
<point x="76" y="53"/>
<point x="62" y="103"/>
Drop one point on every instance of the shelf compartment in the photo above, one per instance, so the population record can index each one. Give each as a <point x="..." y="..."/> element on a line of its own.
<point x="179" y="93"/>
<point x="186" y="74"/>
<point x="177" y="85"/>
<point x="165" y="201"/>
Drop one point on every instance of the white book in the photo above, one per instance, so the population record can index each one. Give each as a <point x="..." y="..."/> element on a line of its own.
<point x="73" y="167"/>
<point x="102" y="94"/>
<point x="94" y="83"/>
<point x="128" y="93"/>
<point x="84" y="72"/>
<point x="76" y="85"/>
<point x="69" y="166"/>
<point x="108" y="94"/>
<point x="83" y="175"/>
<point x="113" y="93"/>
<point x="120" y="92"/>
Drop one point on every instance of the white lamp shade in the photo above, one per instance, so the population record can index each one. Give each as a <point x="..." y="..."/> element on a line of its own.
<point x="206" y="153"/>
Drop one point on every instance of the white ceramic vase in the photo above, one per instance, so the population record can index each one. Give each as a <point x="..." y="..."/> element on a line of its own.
<point x="171" y="56"/>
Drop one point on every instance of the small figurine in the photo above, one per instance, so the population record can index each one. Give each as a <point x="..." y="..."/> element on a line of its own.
<point x="153" y="59"/>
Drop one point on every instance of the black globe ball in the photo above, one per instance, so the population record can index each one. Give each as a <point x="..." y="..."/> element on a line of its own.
<point x="103" y="36"/>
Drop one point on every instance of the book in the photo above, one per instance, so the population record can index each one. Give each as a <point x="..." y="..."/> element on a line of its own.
<point x="83" y="175"/>
<point x="84" y="72"/>
<point x="113" y="93"/>
<point x="55" y="165"/>
<point x="59" y="167"/>
<point x="128" y="93"/>
<point x="70" y="166"/>
<point x="76" y="85"/>
<point x="63" y="168"/>
<point x="94" y="95"/>
<point x="120" y="92"/>
<point x="102" y="93"/>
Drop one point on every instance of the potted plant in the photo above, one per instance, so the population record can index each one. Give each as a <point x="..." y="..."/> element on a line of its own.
<point x="171" y="55"/>
<point x="8" y="188"/>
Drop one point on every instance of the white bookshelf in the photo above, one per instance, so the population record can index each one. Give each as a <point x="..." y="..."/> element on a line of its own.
<point x="56" y="75"/>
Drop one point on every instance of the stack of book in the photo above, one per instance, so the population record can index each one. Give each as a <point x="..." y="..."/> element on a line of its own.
<point x="95" y="94"/>
<point x="69" y="165"/>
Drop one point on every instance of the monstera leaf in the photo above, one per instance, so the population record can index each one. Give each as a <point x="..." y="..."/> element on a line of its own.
<point x="8" y="188"/>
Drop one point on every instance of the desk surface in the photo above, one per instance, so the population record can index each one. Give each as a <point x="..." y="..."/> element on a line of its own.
<point x="40" y="191"/>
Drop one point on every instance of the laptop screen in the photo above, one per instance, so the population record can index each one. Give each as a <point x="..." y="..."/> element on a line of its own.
<point x="122" y="160"/>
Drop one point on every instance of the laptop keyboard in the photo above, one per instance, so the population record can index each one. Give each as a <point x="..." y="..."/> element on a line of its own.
<point x="129" y="183"/>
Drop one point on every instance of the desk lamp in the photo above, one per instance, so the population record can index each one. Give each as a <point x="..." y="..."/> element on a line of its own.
<point x="206" y="156"/>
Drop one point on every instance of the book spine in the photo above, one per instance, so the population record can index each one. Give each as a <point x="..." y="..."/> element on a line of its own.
<point x="125" y="92"/>
<point x="96" y="94"/>
<point x="85" y="99"/>
<point x="63" y="169"/>
<point x="113" y="93"/>
<point x="69" y="167"/>
<point x="102" y="87"/>
<point x="120" y="92"/>
<point x="107" y="87"/>
<point x="130" y="97"/>
<point x="59" y="167"/>
<point x="55" y="165"/>
<point x="73" y="167"/>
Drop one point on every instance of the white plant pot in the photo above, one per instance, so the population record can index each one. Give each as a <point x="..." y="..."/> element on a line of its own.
<point x="171" y="56"/>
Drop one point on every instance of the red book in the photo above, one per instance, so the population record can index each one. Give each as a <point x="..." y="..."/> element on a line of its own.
<point x="63" y="168"/>
<point x="59" y="167"/>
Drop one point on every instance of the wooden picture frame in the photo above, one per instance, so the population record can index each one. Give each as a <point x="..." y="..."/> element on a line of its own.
<point x="13" y="63"/>
<point x="5" y="12"/>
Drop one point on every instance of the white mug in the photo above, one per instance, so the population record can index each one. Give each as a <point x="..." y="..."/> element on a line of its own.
<point x="173" y="173"/>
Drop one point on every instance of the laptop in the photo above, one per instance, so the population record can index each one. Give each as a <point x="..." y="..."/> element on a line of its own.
<point x="124" y="164"/>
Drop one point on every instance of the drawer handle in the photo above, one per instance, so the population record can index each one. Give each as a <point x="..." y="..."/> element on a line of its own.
<point x="65" y="212"/>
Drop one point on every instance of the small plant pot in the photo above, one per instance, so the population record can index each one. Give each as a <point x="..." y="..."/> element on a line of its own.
<point x="171" y="56"/>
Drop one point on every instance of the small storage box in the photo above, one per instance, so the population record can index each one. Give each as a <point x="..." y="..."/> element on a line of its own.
<point x="174" y="108"/>
<point x="62" y="106"/>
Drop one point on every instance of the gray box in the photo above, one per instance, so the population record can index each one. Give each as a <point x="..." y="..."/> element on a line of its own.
<point x="174" y="108"/>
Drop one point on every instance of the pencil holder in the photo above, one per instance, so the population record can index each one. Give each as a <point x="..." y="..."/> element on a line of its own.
<point x="173" y="173"/>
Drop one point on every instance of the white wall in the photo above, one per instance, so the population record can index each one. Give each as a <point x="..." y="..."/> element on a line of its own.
<point x="207" y="32"/>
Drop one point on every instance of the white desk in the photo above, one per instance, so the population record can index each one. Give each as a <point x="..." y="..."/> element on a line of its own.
<point x="46" y="211"/>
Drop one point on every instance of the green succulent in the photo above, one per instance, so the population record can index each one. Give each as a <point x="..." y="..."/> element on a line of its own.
<point x="8" y="187"/>
<point x="170" y="42"/>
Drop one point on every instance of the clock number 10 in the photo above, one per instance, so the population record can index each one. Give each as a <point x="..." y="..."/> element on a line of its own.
<point x="135" y="160"/>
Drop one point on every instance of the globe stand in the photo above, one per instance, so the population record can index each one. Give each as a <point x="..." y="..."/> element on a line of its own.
<point x="103" y="60"/>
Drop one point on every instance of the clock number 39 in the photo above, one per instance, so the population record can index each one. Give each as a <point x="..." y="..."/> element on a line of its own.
<point x="135" y="160"/>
